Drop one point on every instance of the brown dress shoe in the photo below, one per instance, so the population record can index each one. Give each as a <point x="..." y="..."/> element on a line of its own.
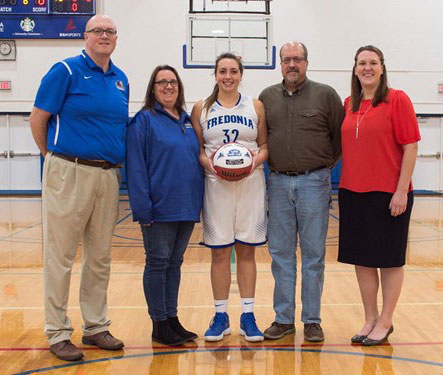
<point x="278" y="330"/>
<point x="313" y="332"/>
<point x="104" y="340"/>
<point x="66" y="351"/>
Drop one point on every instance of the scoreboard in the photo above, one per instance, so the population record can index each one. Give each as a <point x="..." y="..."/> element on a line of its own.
<point x="44" y="19"/>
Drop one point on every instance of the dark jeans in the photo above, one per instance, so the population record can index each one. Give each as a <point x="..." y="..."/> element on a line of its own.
<point x="165" y="244"/>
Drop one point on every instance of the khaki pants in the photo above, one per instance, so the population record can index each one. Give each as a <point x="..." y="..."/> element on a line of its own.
<point x="79" y="203"/>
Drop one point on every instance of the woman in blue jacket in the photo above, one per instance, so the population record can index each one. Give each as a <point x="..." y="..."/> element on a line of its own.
<point x="165" y="184"/>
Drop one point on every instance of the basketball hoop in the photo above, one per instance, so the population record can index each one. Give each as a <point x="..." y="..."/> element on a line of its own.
<point x="230" y="6"/>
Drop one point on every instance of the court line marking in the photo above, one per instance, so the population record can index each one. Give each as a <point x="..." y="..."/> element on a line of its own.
<point x="12" y="235"/>
<point x="39" y="223"/>
<point x="123" y="219"/>
<point x="234" y="349"/>
<point x="138" y="307"/>
<point x="77" y="273"/>
<point x="334" y="216"/>
<point x="227" y="347"/>
<point x="31" y="226"/>
<point x="28" y="199"/>
<point x="138" y="243"/>
<point x="330" y="241"/>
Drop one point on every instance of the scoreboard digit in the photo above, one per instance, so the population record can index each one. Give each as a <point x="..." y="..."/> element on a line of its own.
<point x="72" y="7"/>
<point x="41" y="6"/>
<point x="23" y="6"/>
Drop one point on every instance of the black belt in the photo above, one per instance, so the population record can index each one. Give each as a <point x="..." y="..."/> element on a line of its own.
<point x="295" y="173"/>
<point x="92" y="163"/>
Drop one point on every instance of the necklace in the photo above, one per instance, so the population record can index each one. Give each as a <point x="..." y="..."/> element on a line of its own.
<point x="359" y="120"/>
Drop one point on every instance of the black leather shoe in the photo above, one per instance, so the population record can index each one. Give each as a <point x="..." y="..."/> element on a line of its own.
<point x="357" y="339"/>
<point x="164" y="334"/>
<point x="176" y="326"/>
<point x="370" y="342"/>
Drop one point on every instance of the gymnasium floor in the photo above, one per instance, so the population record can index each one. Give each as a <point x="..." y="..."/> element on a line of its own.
<point x="415" y="347"/>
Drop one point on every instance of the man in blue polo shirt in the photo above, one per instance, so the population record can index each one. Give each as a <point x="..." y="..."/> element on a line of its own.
<point x="78" y="122"/>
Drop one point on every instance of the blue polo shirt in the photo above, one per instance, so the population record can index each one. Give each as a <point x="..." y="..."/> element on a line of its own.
<point x="89" y="109"/>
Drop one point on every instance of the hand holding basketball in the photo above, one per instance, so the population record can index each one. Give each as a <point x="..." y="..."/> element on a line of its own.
<point x="206" y="162"/>
<point x="232" y="161"/>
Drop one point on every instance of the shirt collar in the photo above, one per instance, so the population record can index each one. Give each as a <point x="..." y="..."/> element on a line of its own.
<point x="183" y="114"/>
<point x="297" y="91"/>
<point x="93" y="66"/>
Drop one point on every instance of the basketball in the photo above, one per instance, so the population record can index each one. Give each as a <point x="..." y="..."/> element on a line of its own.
<point x="232" y="161"/>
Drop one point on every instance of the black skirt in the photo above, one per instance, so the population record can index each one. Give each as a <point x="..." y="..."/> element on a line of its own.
<point x="368" y="234"/>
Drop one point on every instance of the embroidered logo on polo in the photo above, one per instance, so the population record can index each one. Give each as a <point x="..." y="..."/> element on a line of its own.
<point x="87" y="77"/>
<point x="188" y="125"/>
<point x="119" y="84"/>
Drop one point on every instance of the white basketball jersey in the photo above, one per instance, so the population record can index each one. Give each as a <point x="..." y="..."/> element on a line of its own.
<point x="223" y="125"/>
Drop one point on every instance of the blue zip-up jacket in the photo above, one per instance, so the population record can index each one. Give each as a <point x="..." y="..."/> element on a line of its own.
<point x="165" y="180"/>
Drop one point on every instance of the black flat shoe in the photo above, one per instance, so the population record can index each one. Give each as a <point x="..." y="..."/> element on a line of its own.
<point x="370" y="342"/>
<point x="176" y="326"/>
<point x="164" y="334"/>
<point x="357" y="339"/>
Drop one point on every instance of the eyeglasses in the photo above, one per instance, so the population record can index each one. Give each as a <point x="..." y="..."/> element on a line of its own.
<point x="164" y="83"/>
<point x="296" y="59"/>
<point x="99" y="32"/>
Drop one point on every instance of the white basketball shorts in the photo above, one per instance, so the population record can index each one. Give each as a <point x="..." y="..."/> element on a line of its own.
<point x="235" y="211"/>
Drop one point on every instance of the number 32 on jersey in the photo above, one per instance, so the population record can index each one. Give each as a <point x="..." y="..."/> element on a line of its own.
<point x="231" y="135"/>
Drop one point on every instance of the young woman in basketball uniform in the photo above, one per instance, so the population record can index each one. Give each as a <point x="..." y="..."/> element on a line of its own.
<point x="234" y="212"/>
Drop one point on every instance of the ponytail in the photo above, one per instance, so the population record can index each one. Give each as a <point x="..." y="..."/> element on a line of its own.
<point x="210" y="100"/>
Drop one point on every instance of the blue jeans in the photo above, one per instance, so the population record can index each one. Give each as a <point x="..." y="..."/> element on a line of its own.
<point x="298" y="204"/>
<point x="165" y="244"/>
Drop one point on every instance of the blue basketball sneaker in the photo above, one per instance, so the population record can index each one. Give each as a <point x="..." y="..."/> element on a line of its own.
<point x="249" y="329"/>
<point x="218" y="327"/>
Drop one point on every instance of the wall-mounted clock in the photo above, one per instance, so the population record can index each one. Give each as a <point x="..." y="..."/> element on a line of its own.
<point x="7" y="50"/>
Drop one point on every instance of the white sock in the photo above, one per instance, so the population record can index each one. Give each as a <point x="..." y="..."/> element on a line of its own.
<point x="221" y="305"/>
<point x="247" y="305"/>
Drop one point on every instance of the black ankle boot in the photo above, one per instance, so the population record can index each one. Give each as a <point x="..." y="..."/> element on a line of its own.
<point x="163" y="333"/>
<point x="180" y="330"/>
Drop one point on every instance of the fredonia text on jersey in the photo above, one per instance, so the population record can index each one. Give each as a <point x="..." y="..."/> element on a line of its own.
<point x="226" y="119"/>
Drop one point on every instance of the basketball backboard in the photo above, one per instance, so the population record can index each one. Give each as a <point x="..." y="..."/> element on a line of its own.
<point x="230" y="6"/>
<point x="246" y="35"/>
